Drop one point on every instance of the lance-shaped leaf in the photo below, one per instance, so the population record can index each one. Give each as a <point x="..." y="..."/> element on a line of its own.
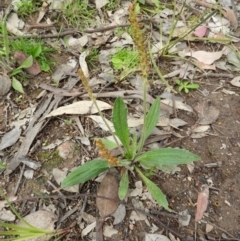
<point x="152" y="117"/>
<point x="17" y="85"/>
<point x="119" y="120"/>
<point x="85" y="172"/>
<point x="155" y="191"/>
<point x="166" y="157"/>
<point x="123" y="185"/>
<point x="150" y="122"/>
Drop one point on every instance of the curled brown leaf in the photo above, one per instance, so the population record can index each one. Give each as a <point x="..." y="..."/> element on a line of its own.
<point x="202" y="202"/>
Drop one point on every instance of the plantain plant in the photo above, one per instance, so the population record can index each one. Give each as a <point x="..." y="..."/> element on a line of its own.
<point x="133" y="158"/>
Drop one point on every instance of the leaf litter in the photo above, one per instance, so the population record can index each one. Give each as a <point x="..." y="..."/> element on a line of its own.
<point x="207" y="60"/>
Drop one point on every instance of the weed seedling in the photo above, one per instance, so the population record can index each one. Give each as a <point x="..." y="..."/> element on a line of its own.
<point x="186" y="86"/>
<point x="26" y="8"/>
<point x="133" y="158"/>
<point x="37" y="49"/>
<point x="125" y="60"/>
<point x="92" y="57"/>
<point x="79" y="14"/>
<point x="25" y="232"/>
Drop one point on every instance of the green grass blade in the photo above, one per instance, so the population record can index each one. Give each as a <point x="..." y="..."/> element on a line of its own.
<point x="85" y="172"/>
<point x="119" y="120"/>
<point x="123" y="185"/>
<point x="155" y="191"/>
<point x="166" y="157"/>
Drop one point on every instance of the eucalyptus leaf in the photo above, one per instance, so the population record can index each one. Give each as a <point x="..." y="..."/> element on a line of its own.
<point x="17" y="85"/>
<point x="155" y="191"/>
<point x="166" y="157"/>
<point x="119" y="120"/>
<point x="85" y="172"/>
<point x="123" y="185"/>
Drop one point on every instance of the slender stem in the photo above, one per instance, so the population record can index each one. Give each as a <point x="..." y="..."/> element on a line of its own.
<point x="109" y="128"/>
<point x="159" y="72"/>
<point x="142" y="139"/>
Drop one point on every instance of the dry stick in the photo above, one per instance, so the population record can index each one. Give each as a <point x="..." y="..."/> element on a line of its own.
<point x="73" y="31"/>
<point x="207" y="5"/>
<point x="213" y="75"/>
<point x="19" y="180"/>
<point x="83" y="209"/>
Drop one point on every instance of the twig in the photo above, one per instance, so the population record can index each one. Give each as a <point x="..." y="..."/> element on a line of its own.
<point x="74" y="31"/>
<point x="67" y="214"/>
<point x="214" y="75"/>
<point x="207" y="5"/>
<point x="40" y="25"/>
<point x="83" y="209"/>
<point x="59" y="192"/>
<point x="19" y="180"/>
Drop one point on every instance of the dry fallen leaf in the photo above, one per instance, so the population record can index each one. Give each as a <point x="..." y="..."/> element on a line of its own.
<point x="205" y="57"/>
<point x="99" y="122"/>
<point x="200" y="31"/>
<point x="157" y="237"/>
<point x="236" y="81"/>
<point x="5" y="84"/>
<point x="202" y="202"/>
<point x="80" y="108"/>
<point x="109" y="189"/>
<point x="10" y="137"/>
<point x="207" y="113"/>
<point x="229" y="15"/>
<point x="40" y="219"/>
<point x="20" y="57"/>
<point x="201" y="65"/>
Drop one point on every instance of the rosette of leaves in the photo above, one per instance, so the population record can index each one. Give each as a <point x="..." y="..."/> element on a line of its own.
<point x="133" y="157"/>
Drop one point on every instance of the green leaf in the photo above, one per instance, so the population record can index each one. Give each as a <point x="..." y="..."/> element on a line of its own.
<point x="15" y="72"/>
<point x="178" y="81"/>
<point x="37" y="50"/>
<point x="133" y="148"/>
<point x="166" y="157"/>
<point x="17" y="85"/>
<point x="193" y="86"/>
<point x="119" y="120"/>
<point x="109" y="144"/>
<point x="2" y="165"/>
<point x="125" y="162"/>
<point x="85" y="172"/>
<point x="152" y="118"/>
<point x="180" y="88"/>
<point x="123" y="185"/>
<point x="45" y="66"/>
<point x="27" y="63"/>
<point x="155" y="191"/>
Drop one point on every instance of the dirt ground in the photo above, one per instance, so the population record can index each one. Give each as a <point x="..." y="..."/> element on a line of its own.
<point x="219" y="167"/>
